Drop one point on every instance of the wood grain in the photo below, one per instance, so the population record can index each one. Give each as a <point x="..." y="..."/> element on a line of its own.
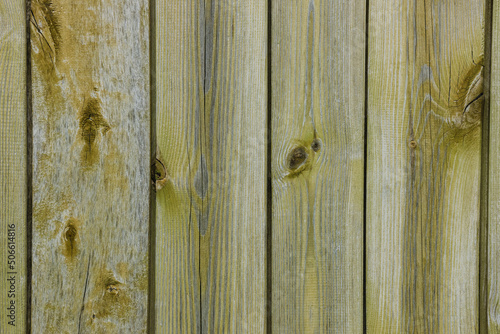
<point x="211" y="187"/>
<point x="425" y="98"/>
<point x="491" y="313"/>
<point x="318" y="52"/>
<point x="91" y="170"/>
<point x="13" y="194"/>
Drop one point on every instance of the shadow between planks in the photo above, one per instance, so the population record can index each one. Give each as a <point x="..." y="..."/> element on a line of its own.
<point x="249" y="167"/>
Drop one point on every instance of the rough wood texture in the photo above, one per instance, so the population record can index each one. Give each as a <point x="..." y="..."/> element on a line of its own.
<point x="211" y="188"/>
<point x="425" y="97"/>
<point x="491" y="312"/>
<point x="91" y="171"/>
<point x="12" y="167"/>
<point x="318" y="51"/>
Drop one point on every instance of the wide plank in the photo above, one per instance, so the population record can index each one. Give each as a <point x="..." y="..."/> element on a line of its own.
<point x="425" y="100"/>
<point x="211" y="169"/>
<point x="13" y="167"/>
<point x="91" y="165"/>
<point x="317" y="110"/>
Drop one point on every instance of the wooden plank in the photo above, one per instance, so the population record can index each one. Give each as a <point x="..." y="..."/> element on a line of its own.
<point x="13" y="164"/>
<point x="211" y="194"/>
<point x="318" y="52"/>
<point x="91" y="170"/>
<point x="491" y="261"/>
<point x="425" y="87"/>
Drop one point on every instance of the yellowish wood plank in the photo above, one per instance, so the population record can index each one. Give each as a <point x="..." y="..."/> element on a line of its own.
<point x="91" y="170"/>
<point x="492" y="293"/>
<point x="179" y="103"/>
<point x="425" y="87"/>
<point x="211" y="197"/>
<point x="318" y="52"/>
<point x="12" y="167"/>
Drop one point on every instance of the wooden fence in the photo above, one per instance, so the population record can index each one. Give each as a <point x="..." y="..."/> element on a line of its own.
<point x="213" y="166"/>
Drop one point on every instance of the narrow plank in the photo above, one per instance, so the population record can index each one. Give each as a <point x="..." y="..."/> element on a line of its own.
<point x="425" y="98"/>
<point x="179" y="104"/>
<point x="318" y="51"/>
<point x="13" y="198"/>
<point x="490" y="311"/>
<point x="211" y="187"/>
<point x="91" y="170"/>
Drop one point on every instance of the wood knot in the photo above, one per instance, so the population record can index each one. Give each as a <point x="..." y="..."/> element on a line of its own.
<point x="474" y="100"/>
<point x="45" y="23"/>
<point x="470" y="99"/>
<point x="112" y="289"/>
<point x="70" y="233"/>
<point x="91" y="123"/>
<point x="316" y="145"/>
<point x="112" y="299"/>
<point x="412" y="144"/>
<point x="70" y="239"/>
<point x="297" y="157"/>
<point x="160" y="176"/>
<point x="111" y="284"/>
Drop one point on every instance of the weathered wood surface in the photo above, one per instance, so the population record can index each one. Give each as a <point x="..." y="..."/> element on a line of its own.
<point x="12" y="166"/>
<point x="318" y="52"/>
<point x="91" y="170"/>
<point x="425" y="86"/>
<point x="491" y="258"/>
<point x="211" y="195"/>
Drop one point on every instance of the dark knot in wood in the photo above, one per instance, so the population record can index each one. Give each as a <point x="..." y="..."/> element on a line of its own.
<point x="160" y="176"/>
<point x="70" y="233"/>
<point x="297" y="157"/>
<point x="316" y="145"/>
<point x="70" y="239"/>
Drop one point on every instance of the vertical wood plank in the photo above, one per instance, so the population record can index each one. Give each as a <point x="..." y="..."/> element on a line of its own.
<point x="91" y="171"/>
<point x="318" y="51"/>
<point x="179" y="104"/>
<point x="12" y="167"/>
<point x="492" y="286"/>
<point x="211" y="178"/>
<point x="425" y="98"/>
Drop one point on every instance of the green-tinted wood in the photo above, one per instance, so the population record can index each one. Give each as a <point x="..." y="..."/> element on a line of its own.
<point x="179" y="68"/>
<point x="318" y="52"/>
<point x="12" y="167"/>
<point x="211" y="187"/>
<point x="491" y="259"/>
<point x="91" y="170"/>
<point x="425" y="97"/>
